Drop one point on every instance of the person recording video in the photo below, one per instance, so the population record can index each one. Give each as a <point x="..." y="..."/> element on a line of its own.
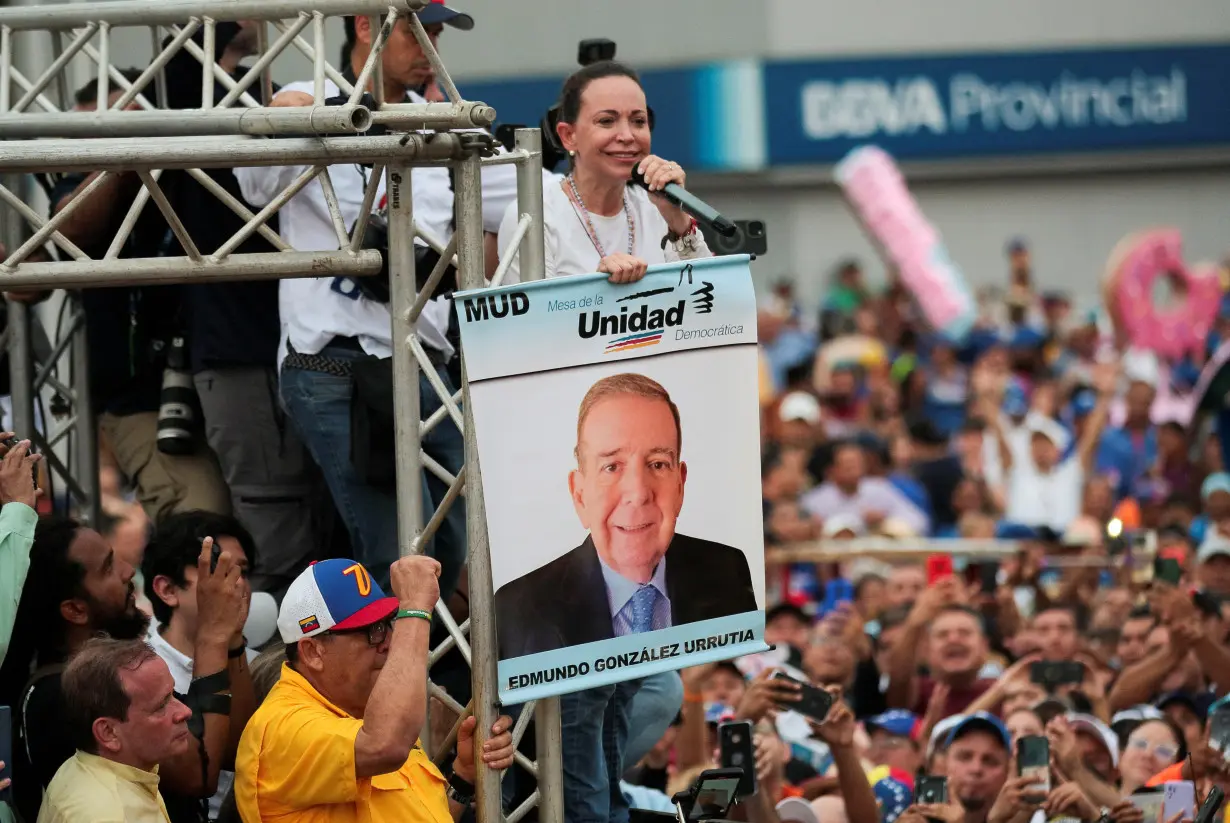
<point x="593" y="219"/>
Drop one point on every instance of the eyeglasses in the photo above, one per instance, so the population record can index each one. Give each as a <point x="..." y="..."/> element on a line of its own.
<point x="376" y="633"/>
<point x="1163" y="750"/>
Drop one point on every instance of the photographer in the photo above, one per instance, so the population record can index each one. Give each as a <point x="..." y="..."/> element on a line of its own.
<point x="18" y="497"/>
<point x="335" y="339"/>
<point x="233" y="334"/>
<point x="594" y="220"/>
<point x="131" y="333"/>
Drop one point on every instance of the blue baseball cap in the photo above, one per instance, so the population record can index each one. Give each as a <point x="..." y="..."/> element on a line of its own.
<point x="1006" y="530"/>
<point x="980" y="721"/>
<point x="896" y="722"/>
<point x="437" y="13"/>
<point x="1198" y="702"/>
<point x="893" y="796"/>
<point x="1083" y="402"/>
<point x="1026" y="338"/>
<point x="332" y="595"/>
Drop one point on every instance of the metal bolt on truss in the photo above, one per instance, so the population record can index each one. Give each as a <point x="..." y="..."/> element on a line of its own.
<point x="135" y="133"/>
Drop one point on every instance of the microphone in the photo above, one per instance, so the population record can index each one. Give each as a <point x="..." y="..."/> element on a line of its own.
<point x="693" y="205"/>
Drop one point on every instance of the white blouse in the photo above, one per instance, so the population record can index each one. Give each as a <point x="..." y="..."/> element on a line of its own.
<point x="569" y="249"/>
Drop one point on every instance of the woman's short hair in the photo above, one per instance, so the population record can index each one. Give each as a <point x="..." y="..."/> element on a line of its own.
<point x="575" y="85"/>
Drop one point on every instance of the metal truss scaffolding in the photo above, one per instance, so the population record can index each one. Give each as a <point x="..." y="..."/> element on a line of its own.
<point x="137" y="134"/>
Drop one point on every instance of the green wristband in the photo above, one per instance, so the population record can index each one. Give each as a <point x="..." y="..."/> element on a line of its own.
<point x="419" y="613"/>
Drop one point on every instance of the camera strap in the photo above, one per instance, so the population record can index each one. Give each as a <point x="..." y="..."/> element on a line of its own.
<point x="205" y="697"/>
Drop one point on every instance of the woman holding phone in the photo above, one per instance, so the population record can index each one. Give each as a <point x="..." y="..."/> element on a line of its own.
<point x="594" y="221"/>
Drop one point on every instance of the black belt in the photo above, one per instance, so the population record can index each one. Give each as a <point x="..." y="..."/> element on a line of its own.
<point x="339" y="366"/>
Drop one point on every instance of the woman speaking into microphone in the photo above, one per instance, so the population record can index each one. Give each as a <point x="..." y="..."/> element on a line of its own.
<point x="594" y="221"/>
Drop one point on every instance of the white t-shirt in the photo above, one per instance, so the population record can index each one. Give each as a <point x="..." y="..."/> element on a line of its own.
<point x="1044" y="499"/>
<point x="180" y="665"/>
<point x="569" y="249"/>
<point x="1017" y="437"/>
<point x="315" y="310"/>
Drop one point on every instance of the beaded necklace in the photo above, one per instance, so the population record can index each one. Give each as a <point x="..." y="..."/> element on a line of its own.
<point x="589" y="224"/>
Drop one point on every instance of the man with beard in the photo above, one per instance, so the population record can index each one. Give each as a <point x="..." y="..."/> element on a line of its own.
<point x="979" y="751"/>
<point x="77" y="587"/>
<point x="978" y="759"/>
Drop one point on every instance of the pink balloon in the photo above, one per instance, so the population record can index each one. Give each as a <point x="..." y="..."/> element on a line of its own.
<point x="1180" y="328"/>
<point x="877" y="192"/>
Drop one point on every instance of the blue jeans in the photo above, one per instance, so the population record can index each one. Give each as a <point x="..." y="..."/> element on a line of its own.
<point x="595" y="726"/>
<point x="319" y="404"/>
<point x="654" y="708"/>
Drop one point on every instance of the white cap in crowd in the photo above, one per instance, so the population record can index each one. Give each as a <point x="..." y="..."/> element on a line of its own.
<point x="1138" y="714"/>
<point x="1214" y="545"/>
<point x="799" y="405"/>
<point x="796" y="810"/>
<point x="262" y="620"/>
<point x="941" y="730"/>
<point x="1051" y="430"/>
<point x="1141" y="366"/>
<point x="839" y="523"/>
<point x="1091" y="725"/>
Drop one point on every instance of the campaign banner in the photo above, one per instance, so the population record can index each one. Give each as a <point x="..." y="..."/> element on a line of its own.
<point x="618" y="432"/>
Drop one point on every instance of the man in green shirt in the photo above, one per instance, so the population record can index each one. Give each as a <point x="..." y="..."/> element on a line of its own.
<point x="18" y="518"/>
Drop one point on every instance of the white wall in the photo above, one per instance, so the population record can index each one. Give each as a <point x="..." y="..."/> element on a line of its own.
<point x="540" y="36"/>
<point x="537" y="37"/>
<point x="810" y="28"/>
<point x="1072" y="224"/>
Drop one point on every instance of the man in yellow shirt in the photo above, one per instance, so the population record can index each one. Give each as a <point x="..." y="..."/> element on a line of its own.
<point x="124" y="719"/>
<point x="337" y="737"/>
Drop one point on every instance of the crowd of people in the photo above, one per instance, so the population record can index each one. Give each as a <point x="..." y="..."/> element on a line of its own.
<point x="1097" y="493"/>
<point x="143" y="687"/>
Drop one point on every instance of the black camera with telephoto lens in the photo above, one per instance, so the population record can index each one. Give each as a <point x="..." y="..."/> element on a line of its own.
<point x="177" y="417"/>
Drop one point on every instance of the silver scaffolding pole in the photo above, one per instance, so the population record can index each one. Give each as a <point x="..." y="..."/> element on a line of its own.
<point x="86" y="445"/>
<point x="59" y="16"/>
<point x="21" y="359"/>
<point x="103" y="147"/>
<point x="532" y="259"/>
<point x="471" y="271"/>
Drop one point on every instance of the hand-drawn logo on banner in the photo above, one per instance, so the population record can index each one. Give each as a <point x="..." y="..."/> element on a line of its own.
<point x="704" y="298"/>
<point x="640" y="327"/>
